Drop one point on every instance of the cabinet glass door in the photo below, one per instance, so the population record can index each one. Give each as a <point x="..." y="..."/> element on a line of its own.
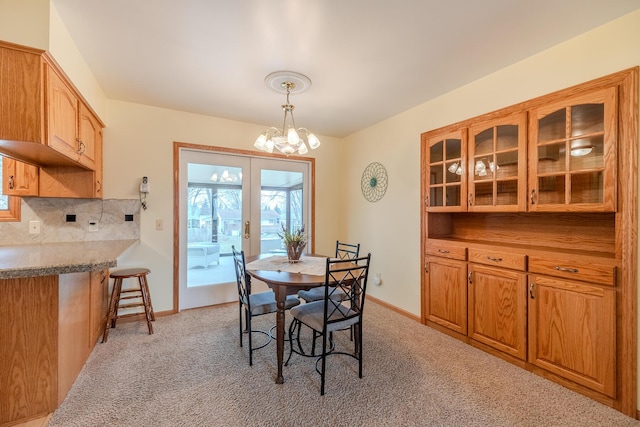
<point x="496" y="171"/>
<point x="573" y="160"/>
<point x="446" y="165"/>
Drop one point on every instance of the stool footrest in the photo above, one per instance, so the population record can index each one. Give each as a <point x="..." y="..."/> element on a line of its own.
<point x="124" y="316"/>
<point x="131" y="296"/>
<point x="131" y="306"/>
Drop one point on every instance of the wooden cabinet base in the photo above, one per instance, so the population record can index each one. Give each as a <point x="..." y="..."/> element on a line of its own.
<point x="45" y="339"/>
<point x="29" y="349"/>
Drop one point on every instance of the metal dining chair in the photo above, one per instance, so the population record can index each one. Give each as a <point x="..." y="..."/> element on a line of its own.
<point x="253" y="305"/>
<point x="344" y="251"/>
<point x="332" y="314"/>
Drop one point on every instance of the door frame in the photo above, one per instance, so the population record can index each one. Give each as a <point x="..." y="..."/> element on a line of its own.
<point x="177" y="146"/>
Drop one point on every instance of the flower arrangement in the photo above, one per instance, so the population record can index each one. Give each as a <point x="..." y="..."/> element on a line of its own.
<point x="294" y="242"/>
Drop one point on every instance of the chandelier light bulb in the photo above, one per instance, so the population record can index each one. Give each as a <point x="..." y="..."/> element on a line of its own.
<point x="268" y="146"/>
<point x="302" y="150"/>
<point x="260" y="143"/>
<point x="292" y="137"/>
<point x="313" y="141"/>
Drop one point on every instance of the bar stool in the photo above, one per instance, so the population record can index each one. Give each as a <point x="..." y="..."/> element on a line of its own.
<point x="141" y="294"/>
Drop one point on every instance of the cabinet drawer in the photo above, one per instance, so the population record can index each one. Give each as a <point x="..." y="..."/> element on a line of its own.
<point x="446" y="251"/>
<point x="498" y="259"/>
<point x="586" y="271"/>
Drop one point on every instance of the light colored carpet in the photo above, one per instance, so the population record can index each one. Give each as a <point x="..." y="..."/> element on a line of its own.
<point x="192" y="372"/>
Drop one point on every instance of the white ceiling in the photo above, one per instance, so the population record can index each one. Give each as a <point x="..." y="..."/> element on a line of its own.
<point x="367" y="59"/>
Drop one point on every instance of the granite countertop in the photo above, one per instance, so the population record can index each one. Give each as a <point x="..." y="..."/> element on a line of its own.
<point x="60" y="258"/>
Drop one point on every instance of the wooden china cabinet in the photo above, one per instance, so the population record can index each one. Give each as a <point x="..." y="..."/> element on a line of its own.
<point x="529" y="235"/>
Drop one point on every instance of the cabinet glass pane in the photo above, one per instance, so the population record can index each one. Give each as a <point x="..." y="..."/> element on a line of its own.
<point x="453" y="195"/>
<point x="435" y="174"/>
<point x="586" y="119"/>
<point x="551" y="190"/>
<point x="436" y="152"/>
<point x="483" y="194"/>
<point x="507" y="137"/>
<point x="587" y="188"/>
<point x="483" y="167"/>
<point x="453" y="149"/>
<point x="435" y="197"/>
<point x="484" y="142"/>
<point x="506" y="164"/>
<point x="454" y="172"/>
<point x="587" y="153"/>
<point x="507" y="192"/>
<point x="551" y="158"/>
<point x="552" y="126"/>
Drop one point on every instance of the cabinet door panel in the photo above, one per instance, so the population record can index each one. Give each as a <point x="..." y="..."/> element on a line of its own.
<point x="444" y="157"/>
<point x="497" y="169"/>
<point x="18" y="178"/>
<point x="498" y="309"/>
<point x="572" y="154"/>
<point x="572" y="331"/>
<point x="90" y="132"/>
<point x="99" y="303"/>
<point x="63" y="116"/>
<point x="448" y="294"/>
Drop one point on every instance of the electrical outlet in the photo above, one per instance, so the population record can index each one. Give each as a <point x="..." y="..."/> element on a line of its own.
<point x="34" y="227"/>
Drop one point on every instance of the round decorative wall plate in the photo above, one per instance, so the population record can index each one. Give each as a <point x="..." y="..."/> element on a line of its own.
<point x="374" y="182"/>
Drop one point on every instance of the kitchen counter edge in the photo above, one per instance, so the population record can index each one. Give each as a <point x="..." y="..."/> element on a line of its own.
<point x="49" y="259"/>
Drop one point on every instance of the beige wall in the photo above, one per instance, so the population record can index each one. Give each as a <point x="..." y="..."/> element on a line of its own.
<point x="25" y="22"/>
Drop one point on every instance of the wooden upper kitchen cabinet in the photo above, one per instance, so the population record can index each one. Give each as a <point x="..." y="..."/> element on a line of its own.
<point x="45" y="122"/>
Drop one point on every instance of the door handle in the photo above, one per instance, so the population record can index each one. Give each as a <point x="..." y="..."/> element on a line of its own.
<point x="247" y="230"/>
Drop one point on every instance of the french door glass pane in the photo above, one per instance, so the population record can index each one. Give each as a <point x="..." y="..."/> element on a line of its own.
<point x="214" y="223"/>
<point x="281" y="201"/>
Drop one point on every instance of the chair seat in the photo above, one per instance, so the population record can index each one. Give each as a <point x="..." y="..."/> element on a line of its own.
<point x="265" y="302"/>
<point x="312" y="315"/>
<point x="317" y="294"/>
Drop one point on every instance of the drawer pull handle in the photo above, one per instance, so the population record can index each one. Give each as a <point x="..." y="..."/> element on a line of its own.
<point x="469" y="278"/>
<point x="567" y="269"/>
<point x="443" y="251"/>
<point x="531" y="285"/>
<point x="490" y="258"/>
<point x="531" y="197"/>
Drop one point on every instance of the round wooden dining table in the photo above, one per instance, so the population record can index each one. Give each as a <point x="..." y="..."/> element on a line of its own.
<point x="284" y="283"/>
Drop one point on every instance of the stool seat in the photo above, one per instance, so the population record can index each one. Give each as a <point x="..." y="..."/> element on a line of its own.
<point x="140" y="297"/>
<point x="129" y="272"/>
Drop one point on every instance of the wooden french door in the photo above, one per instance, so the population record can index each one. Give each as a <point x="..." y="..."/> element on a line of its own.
<point x="233" y="200"/>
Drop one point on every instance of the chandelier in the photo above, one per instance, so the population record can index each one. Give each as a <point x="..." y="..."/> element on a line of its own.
<point x="289" y="139"/>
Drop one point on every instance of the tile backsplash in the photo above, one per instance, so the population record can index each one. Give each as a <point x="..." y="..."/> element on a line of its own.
<point x="52" y="214"/>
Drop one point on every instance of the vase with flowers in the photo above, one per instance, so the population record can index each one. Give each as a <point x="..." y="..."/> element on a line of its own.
<point x="294" y="242"/>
